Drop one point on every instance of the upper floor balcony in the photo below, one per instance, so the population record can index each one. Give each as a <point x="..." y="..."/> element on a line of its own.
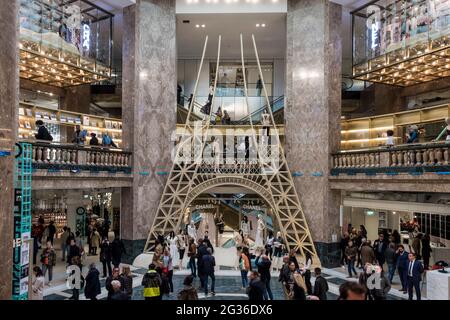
<point x="62" y="166"/>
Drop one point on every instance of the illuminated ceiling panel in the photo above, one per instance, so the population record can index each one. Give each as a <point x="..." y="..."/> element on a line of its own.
<point x="409" y="66"/>
<point x="59" y="69"/>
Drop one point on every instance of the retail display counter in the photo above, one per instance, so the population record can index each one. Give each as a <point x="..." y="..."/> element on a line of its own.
<point x="55" y="119"/>
<point x="370" y="132"/>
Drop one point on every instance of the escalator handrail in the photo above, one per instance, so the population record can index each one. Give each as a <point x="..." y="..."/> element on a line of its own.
<point x="274" y="102"/>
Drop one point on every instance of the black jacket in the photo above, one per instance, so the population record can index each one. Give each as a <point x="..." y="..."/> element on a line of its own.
<point x="256" y="290"/>
<point x="74" y="251"/>
<point x="263" y="268"/>
<point x="105" y="252"/>
<point x="109" y="287"/>
<point x="43" y="134"/>
<point x="321" y="288"/>
<point x="426" y="248"/>
<point x="117" y="249"/>
<point x="127" y="284"/>
<point x="93" y="141"/>
<point x="284" y="273"/>
<point x="208" y="264"/>
<point x="201" y="251"/>
<point x="92" y="288"/>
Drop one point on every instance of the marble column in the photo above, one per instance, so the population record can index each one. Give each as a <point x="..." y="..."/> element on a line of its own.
<point x="9" y="95"/>
<point x="148" y="112"/>
<point x="312" y="114"/>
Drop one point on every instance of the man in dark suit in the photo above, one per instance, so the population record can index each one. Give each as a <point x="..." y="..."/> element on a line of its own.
<point x="379" y="246"/>
<point x="321" y="285"/>
<point x="414" y="275"/>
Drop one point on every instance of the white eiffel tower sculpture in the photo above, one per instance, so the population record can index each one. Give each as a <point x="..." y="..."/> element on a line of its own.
<point x="267" y="174"/>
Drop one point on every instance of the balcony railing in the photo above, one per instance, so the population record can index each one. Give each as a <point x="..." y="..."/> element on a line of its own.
<point x="57" y="156"/>
<point x="411" y="158"/>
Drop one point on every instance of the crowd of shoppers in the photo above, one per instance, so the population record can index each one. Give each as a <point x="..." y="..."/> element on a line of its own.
<point x="387" y="256"/>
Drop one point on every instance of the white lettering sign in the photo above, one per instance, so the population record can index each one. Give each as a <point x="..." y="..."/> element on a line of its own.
<point x="86" y="36"/>
<point x="74" y="277"/>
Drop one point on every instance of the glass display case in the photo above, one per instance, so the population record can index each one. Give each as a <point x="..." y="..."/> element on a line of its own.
<point x="401" y="42"/>
<point x="65" y="43"/>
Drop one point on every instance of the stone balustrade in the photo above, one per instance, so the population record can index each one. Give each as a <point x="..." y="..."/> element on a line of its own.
<point x="52" y="154"/>
<point x="403" y="156"/>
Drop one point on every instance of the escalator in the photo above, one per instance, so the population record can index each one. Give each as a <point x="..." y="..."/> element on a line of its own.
<point x="196" y="114"/>
<point x="277" y="110"/>
<point x="183" y="109"/>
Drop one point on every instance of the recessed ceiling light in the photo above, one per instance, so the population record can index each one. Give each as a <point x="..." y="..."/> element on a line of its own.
<point x="203" y="26"/>
<point x="263" y="25"/>
<point x="257" y="25"/>
<point x="197" y="26"/>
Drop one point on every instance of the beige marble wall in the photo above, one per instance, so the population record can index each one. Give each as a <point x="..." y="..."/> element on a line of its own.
<point x="149" y="108"/>
<point x="313" y="105"/>
<point x="9" y="85"/>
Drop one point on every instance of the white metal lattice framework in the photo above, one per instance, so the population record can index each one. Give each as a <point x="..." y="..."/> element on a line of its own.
<point x="268" y="176"/>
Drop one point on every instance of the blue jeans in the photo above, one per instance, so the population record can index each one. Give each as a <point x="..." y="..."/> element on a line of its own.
<point x="64" y="248"/>
<point x="351" y="266"/>
<point x="213" y="282"/>
<point x="192" y="266"/>
<point x="391" y="271"/>
<point x="268" y="292"/>
<point x="244" y="278"/>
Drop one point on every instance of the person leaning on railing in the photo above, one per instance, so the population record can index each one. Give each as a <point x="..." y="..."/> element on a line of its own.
<point x="413" y="134"/>
<point x="107" y="141"/>
<point x="42" y="133"/>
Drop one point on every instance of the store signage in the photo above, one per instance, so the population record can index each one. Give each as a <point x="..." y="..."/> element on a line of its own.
<point x="86" y="36"/>
<point x="375" y="28"/>
<point x="373" y="24"/>
<point x="205" y="206"/>
<point x="251" y="207"/>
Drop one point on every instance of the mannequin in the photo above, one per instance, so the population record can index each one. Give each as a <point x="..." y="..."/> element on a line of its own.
<point x="259" y="232"/>
<point x="172" y="240"/>
<point x="192" y="231"/>
<point x="181" y="246"/>
<point x="245" y="227"/>
<point x="278" y="251"/>
<point x="187" y="213"/>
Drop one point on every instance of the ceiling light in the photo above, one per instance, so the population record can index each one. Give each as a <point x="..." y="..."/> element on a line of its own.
<point x="263" y="25"/>
<point x="197" y="26"/>
<point x="203" y="26"/>
<point x="257" y="25"/>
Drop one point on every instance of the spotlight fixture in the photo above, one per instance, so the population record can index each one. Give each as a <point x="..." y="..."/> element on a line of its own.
<point x="203" y="26"/>
<point x="197" y="26"/>
<point x="257" y="25"/>
<point x="263" y="25"/>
